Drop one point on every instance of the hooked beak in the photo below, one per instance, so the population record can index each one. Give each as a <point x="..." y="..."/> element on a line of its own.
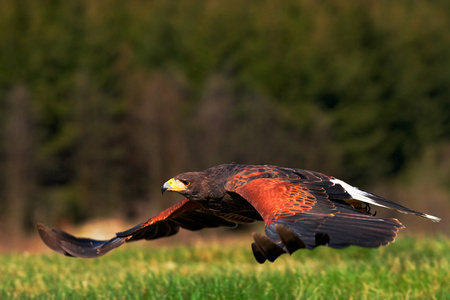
<point x="173" y="185"/>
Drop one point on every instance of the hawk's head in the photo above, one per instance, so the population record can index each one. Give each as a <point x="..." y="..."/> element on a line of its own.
<point x="194" y="186"/>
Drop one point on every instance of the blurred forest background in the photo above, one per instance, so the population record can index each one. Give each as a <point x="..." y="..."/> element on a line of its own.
<point x="103" y="101"/>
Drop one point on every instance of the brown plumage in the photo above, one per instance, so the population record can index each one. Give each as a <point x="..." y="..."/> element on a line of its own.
<point x="300" y="209"/>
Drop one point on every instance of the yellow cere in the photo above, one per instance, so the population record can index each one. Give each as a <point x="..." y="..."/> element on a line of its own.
<point x="176" y="185"/>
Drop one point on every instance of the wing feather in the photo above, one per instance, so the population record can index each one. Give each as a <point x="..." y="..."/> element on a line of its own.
<point x="185" y="214"/>
<point x="306" y="211"/>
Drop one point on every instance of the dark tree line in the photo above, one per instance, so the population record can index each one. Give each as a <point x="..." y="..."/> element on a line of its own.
<point x="102" y="102"/>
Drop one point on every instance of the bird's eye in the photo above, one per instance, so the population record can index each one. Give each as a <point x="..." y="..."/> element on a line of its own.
<point x="185" y="182"/>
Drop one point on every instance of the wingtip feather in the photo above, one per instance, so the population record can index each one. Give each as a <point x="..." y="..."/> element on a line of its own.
<point x="70" y="245"/>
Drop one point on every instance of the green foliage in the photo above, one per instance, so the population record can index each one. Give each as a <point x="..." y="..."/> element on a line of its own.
<point x="354" y="88"/>
<point x="412" y="268"/>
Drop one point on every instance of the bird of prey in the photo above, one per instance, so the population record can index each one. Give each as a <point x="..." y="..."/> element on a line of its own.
<point x="299" y="208"/>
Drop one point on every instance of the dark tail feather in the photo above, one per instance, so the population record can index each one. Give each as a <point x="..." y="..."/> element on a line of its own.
<point x="366" y="197"/>
<point x="69" y="245"/>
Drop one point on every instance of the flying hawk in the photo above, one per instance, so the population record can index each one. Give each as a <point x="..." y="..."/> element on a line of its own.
<point x="299" y="208"/>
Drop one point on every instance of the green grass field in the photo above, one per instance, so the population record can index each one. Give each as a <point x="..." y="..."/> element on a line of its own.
<point x="411" y="268"/>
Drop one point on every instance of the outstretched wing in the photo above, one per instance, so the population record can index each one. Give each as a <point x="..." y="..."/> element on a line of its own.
<point x="185" y="214"/>
<point x="302" y="214"/>
<point x="336" y="189"/>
